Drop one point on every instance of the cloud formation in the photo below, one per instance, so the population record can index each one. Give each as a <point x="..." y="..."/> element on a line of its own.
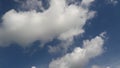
<point x="60" y="21"/>
<point x="80" y="56"/>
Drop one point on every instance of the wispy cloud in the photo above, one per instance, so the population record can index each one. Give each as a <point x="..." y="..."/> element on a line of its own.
<point x="113" y="2"/>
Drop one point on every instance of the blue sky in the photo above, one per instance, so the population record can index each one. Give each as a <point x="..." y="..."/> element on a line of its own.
<point x="92" y="23"/>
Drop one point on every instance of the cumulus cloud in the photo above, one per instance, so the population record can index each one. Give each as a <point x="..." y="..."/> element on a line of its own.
<point x="60" y="21"/>
<point x="81" y="55"/>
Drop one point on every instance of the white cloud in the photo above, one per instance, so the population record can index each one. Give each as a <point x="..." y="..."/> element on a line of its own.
<point x="59" y="21"/>
<point x="33" y="66"/>
<point x="86" y="2"/>
<point x="80" y="56"/>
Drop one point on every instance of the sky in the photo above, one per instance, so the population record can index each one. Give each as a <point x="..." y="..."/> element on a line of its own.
<point x="59" y="33"/>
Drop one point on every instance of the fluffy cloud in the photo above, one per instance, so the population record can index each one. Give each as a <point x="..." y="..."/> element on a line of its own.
<point x="80" y="56"/>
<point x="59" y="21"/>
